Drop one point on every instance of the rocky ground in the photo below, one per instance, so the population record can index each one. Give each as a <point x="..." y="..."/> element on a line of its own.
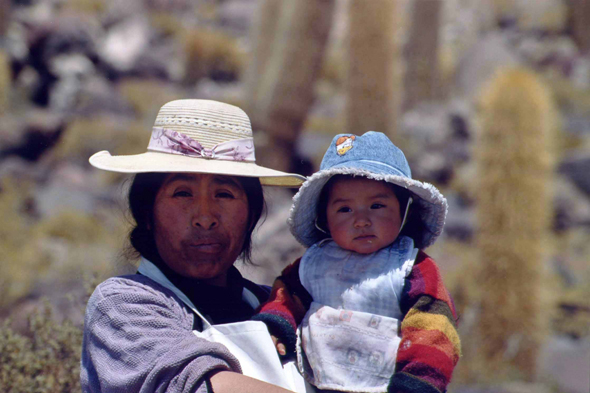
<point x="89" y="75"/>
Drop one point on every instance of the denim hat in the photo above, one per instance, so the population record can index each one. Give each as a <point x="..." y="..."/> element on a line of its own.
<point x="373" y="156"/>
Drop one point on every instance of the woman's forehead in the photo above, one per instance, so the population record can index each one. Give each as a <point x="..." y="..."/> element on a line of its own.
<point x="203" y="177"/>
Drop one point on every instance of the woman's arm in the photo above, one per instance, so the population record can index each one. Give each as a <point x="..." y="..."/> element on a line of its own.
<point x="430" y="347"/>
<point x="231" y="382"/>
<point x="138" y="337"/>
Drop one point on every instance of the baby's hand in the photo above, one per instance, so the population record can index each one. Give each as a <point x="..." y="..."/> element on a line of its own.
<point x="281" y="349"/>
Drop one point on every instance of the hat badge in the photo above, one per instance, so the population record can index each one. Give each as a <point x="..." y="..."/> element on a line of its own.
<point x="344" y="144"/>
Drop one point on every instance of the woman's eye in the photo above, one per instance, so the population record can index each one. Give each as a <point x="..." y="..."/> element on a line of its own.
<point x="182" y="194"/>
<point x="224" y="195"/>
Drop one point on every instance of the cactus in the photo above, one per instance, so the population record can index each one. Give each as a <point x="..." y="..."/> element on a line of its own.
<point x="5" y="82"/>
<point x="5" y="11"/>
<point x="262" y="36"/>
<point x="580" y="19"/>
<point x="422" y="73"/>
<point x="285" y="91"/>
<point x="372" y="58"/>
<point x="514" y="164"/>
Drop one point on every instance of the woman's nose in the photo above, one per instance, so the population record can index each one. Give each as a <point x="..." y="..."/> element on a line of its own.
<point x="204" y="216"/>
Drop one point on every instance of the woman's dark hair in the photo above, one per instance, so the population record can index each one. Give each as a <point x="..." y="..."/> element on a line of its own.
<point x="413" y="228"/>
<point x="142" y="196"/>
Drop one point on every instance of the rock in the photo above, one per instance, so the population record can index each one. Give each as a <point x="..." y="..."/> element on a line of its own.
<point x="571" y="205"/>
<point x="71" y="70"/>
<point x="66" y="190"/>
<point x="98" y="95"/>
<point x="160" y="61"/>
<point x="547" y="16"/>
<point x="565" y="363"/>
<point x="125" y="42"/>
<point x="460" y="222"/>
<point x="237" y="15"/>
<point x="479" y="64"/>
<point x="274" y="246"/>
<point x="577" y="168"/>
<point x="439" y="138"/>
<point x="39" y="133"/>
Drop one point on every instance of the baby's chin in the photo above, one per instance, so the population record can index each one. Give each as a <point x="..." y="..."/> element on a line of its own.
<point x="366" y="247"/>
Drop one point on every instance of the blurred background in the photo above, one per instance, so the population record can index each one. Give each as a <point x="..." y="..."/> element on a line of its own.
<point x="489" y="100"/>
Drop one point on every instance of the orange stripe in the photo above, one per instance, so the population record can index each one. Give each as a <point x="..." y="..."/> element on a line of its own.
<point x="433" y="338"/>
<point x="425" y="321"/>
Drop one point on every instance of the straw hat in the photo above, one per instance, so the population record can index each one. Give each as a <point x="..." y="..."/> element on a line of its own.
<point x="374" y="156"/>
<point x="199" y="136"/>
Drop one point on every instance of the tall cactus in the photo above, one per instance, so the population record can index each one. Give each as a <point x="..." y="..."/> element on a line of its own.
<point x="515" y="163"/>
<point x="285" y="91"/>
<point x="371" y="103"/>
<point x="5" y="11"/>
<point x="580" y="15"/>
<point x="422" y="73"/>
<point x="262" y="36"/>
<point x="5" y="81"/>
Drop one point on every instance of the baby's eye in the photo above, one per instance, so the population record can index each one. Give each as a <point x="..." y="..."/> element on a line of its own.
<point x="377" y="206"/>
<point x="344" y="209"/>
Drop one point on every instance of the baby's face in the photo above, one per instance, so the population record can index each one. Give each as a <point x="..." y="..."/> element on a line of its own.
<point x="363" y="215"/>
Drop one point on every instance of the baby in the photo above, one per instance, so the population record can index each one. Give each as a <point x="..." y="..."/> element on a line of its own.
<point x="365" y="309"/>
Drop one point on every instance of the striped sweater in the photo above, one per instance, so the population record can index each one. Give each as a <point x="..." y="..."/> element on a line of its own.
<point x="430" y="347"/>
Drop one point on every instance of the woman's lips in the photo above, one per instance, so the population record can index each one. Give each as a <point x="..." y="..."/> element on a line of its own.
<point x="208" y="247"/>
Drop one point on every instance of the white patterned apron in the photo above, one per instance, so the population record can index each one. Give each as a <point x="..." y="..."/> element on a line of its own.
<point x="248" y="341"/>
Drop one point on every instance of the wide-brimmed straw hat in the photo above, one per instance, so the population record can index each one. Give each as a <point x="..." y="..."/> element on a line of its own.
<point x="374" y="156"/>
<point x="199" y="136"/>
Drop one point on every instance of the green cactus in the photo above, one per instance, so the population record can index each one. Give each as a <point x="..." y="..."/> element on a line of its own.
<point x="371" y="103"/>
<point x="514" y="160"/>
<point x="422" y="71"/>
<point x="5" y="81"/>
<point x="580" y="24"/>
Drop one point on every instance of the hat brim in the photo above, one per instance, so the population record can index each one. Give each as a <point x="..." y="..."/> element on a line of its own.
<point x="162" y="162"/>
<point x="431" y="204"/>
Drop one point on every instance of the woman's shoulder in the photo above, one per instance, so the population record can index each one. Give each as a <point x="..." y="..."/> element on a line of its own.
<point x="130" y="284"/>
<point x="134" y="289"/>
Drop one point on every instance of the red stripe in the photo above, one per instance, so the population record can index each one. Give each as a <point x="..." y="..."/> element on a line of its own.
<point x="422" y="360"/>
<point x="431" y="338"/>
<point x="432" y="281"/>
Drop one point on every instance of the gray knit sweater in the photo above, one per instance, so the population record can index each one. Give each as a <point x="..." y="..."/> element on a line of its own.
<point x="138" y="338"/>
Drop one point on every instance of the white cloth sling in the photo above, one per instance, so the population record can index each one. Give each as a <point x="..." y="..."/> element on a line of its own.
<point x="350" y="335"/>
<point x="248" y="341"/>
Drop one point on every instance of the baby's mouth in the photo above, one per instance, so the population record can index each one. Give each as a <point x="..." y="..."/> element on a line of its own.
<point x="365" y="237"/>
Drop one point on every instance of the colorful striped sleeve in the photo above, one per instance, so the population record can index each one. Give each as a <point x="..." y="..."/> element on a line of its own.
<point x="430" y="347"/>
<point x="286" y="307"/>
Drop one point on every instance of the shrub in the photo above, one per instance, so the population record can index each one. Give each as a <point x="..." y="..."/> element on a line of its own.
<point x="43" y="359"/>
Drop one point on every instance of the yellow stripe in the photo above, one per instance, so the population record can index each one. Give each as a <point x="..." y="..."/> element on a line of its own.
<point x="426" y="321"/>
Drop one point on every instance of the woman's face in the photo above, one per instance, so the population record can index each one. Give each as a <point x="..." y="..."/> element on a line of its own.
<point x="200" y="223"/>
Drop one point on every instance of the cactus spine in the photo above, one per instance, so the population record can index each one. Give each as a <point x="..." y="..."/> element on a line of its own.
<point x="514" y="160"/>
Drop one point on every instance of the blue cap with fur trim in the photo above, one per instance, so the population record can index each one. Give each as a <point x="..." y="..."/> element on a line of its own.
<point x="374" y="156"/>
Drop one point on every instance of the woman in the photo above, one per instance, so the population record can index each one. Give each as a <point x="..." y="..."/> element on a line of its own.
<point x="182" y="322"/>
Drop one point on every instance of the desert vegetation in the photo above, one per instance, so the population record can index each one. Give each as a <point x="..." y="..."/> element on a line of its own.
<point x="489" y="99"/>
